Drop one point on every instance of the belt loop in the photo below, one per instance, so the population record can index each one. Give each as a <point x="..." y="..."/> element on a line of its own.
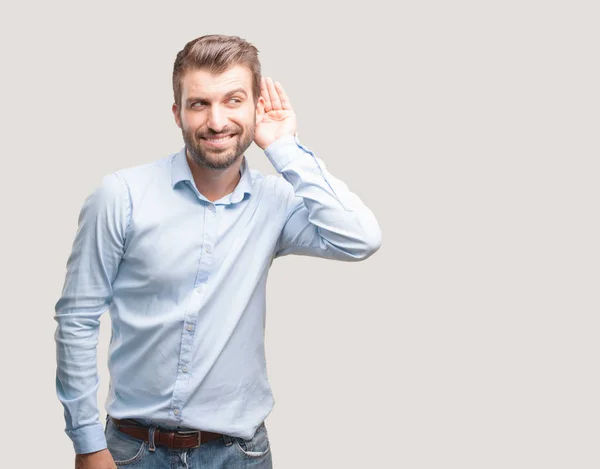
<point x="227" y="439"/>
<point x="151" y="446"/>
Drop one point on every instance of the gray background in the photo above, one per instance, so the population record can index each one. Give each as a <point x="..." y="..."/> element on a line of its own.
<point x="469" y="128"/>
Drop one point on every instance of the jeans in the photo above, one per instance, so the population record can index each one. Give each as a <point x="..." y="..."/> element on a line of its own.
<point x="228" y="452"/>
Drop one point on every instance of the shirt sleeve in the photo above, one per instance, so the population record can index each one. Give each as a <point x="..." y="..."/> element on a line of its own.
<point x="324" y="219"/>
<point x="87" y="293"/>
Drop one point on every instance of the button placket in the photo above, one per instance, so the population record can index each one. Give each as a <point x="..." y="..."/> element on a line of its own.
<point x="181" y="389"/>
<point x="209" y="238"/>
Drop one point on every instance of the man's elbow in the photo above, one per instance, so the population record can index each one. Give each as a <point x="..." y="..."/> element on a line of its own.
<point x="371" y="242"/>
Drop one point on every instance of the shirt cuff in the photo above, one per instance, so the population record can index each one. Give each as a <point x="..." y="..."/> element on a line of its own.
<point x="88" y="439"/>
<point x="283" y="150"/>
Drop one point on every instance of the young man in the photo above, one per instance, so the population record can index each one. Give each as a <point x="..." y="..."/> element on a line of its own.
<point x="179" y="251"/>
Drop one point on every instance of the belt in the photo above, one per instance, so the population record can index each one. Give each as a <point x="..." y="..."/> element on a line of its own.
<point x="170" y="439"/>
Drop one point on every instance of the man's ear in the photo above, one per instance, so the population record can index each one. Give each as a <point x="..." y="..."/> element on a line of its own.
<point x="260" y="109"/>
<point x="176" y="114"/>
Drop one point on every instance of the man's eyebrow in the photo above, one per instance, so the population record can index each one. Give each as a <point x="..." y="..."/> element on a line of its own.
<point x="237" y="90"/>
<point x="192" y="99"/>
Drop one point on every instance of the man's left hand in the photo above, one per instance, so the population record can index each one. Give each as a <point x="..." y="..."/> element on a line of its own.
<point x="279" y="119"/>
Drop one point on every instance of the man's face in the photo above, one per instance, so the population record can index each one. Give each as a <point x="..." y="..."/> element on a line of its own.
<point x="217" y="116"/>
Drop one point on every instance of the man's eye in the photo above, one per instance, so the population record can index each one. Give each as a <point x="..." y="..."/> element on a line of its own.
<point x="197" y="105"/>
<point x="235" y="100"/>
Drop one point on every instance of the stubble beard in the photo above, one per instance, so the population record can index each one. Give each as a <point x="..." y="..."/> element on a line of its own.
<point x="218" y="158"/>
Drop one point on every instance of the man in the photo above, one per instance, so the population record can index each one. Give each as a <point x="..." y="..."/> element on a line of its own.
<point x="178" y="251"/>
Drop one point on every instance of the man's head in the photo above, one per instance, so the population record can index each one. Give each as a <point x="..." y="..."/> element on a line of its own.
<point x="216" y="86"/>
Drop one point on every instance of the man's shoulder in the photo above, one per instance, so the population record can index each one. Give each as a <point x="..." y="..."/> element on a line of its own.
<point x="134" y="181"/>
<point x="147" y="171"/>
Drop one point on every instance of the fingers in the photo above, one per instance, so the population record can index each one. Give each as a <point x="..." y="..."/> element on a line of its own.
<point x="274" y="95"/>
<point x="265" y="94"/>
<point x="283" y="97"/>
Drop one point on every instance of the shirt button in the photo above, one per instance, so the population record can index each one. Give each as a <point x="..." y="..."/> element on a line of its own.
<point x="208" y="249"/>
<point x="184" y="369"/>
<point x="176" y="411"/>
<point x="190" y="327"/>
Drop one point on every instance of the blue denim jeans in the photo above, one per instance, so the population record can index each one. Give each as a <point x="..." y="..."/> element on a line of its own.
<point x="229" y="452"/>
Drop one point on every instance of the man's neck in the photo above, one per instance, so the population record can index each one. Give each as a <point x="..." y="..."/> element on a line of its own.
<point x="215" y="183"/>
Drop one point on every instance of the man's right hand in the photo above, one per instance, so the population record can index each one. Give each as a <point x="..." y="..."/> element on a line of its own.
<point x="99" y="460"/>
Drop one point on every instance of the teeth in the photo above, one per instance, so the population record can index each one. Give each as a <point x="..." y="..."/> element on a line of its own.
<point x="219" y="140"/>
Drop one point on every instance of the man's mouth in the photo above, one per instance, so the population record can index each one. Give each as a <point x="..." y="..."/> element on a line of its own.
<point x="218" y="140"/>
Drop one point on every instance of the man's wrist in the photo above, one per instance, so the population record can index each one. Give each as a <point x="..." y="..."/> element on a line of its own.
<point x="279" y="140"/>
<point x="98" y="460"/>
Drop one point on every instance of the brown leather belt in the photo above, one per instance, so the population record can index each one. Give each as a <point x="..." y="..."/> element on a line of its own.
<point x="170" y="439"/>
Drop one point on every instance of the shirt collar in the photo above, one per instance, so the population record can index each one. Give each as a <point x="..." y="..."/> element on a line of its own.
<point x="244" y="185"/>
<point x="181" y="171"/>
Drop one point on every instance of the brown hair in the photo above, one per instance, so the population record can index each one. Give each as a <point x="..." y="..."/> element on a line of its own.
<point x="216" y="53"/>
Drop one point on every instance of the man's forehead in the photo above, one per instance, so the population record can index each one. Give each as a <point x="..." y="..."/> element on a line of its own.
<point x="205" y="82"/>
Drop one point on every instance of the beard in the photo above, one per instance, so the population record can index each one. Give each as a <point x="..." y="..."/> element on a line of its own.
<point x="218" y="158"/>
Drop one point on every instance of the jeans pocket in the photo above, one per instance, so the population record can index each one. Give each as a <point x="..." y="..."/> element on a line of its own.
<point x="124" y="449"/>
<point x="257" y="446"/>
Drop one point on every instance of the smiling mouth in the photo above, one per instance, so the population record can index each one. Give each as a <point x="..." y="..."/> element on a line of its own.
<point x="217" y="141"/>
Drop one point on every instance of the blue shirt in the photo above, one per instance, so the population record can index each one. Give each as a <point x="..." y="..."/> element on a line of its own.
<point x="184" y="280"/>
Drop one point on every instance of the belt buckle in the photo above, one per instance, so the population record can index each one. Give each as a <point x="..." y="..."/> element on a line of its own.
<point x="189" y="432"/>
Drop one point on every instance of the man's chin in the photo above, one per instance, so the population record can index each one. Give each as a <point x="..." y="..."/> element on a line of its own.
<point x="215" y="159"/>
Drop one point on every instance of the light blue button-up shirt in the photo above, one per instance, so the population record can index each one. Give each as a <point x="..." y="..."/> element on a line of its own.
<point x="184" y="280"/>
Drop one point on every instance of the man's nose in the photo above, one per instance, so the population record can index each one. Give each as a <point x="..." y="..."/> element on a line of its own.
<point x="217" y="119"/>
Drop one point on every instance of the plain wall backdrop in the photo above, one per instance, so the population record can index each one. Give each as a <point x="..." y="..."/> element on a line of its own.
<point x="470" y="340"/>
